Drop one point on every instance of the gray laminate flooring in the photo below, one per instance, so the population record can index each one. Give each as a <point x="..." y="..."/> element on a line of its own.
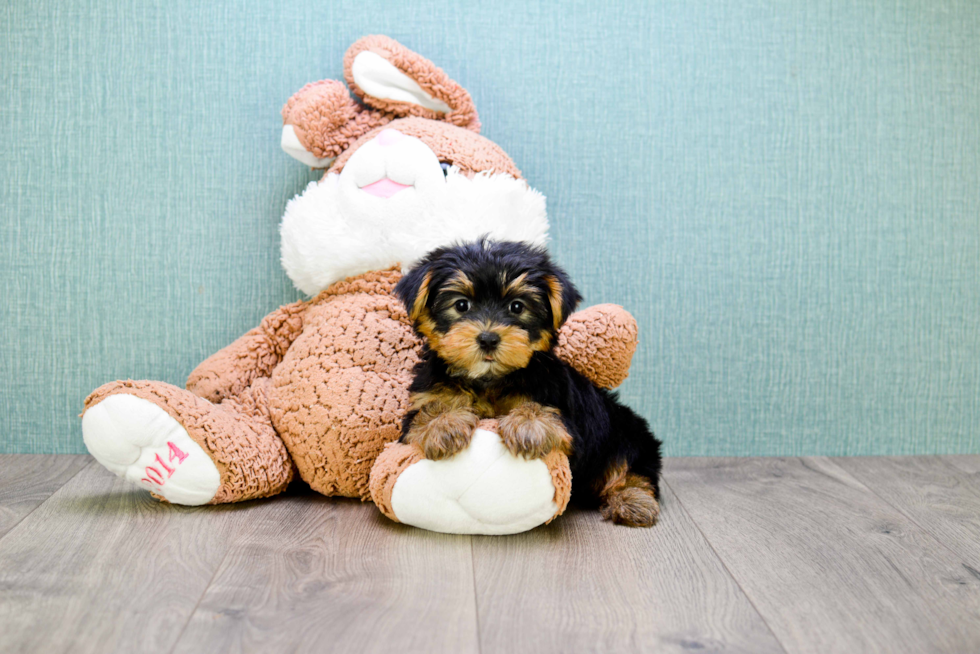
<point x="751" y="555"/>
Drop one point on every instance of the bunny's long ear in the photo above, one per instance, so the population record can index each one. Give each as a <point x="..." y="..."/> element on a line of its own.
<point x="388" y="76"/>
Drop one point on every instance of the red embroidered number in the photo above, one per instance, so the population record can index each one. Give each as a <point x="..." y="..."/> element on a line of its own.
<point x="154" y="476"/>
<point x="175" y="453"/>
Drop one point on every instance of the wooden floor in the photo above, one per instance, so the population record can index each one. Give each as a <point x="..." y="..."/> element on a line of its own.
<point x="751" y="555"/>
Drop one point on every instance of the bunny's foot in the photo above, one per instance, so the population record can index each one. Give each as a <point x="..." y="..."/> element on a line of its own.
<point x="185" y="449"/>
<point x="140" y="442"/>
<point x="484" y="489"/>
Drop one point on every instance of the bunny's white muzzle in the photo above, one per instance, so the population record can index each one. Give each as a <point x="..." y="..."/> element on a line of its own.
<point x="392" y="203"/>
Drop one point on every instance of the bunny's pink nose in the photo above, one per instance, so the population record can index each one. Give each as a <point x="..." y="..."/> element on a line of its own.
<point x="389" y="137"/>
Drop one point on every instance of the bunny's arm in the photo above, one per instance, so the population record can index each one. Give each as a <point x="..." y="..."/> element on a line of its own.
<point x="231" y="370"/>
<point x="599" y="342"/>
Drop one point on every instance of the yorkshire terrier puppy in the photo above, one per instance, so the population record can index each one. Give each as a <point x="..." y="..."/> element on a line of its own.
<point x="490" y="313"/>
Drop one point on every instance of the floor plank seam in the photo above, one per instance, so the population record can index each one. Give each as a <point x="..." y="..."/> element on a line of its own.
<point x="926" y="531"/>
<point x="190" y="615"/>
<point x="476" y="597"/>
<point x="46" y="500"/>
<point x="724" y="564"/>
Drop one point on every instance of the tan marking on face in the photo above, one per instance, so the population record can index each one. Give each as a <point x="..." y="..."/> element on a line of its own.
<point x="514" y="284"/>
<point x="554" y="298"/>
<point x="520" y="286"/>
<point x="427" y="327"/>
<point x="458" y="348"/>
<point x="515" y="349"/>
<point x="460" y="283"/>
<point x="421" y="298"/>
<point x="543" y="344"/>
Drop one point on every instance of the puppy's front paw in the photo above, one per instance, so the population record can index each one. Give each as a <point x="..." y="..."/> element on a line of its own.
<point x="444" y="435"/>
<point x="532" y="431"/>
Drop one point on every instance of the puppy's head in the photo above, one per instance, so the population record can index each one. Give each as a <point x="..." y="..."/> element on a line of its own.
<point x="487" y="307"/>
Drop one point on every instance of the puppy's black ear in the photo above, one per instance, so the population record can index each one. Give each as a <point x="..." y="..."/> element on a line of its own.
<point x="413" y="289"/>
<point x="562" y="295"/>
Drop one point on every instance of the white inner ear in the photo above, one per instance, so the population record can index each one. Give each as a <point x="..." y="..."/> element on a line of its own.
<point x="380" y="79"/>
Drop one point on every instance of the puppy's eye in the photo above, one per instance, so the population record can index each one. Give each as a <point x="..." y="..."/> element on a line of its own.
<point x="517" y="307"/>
<point x="462" y="306"/>
<point x="445" y="168"/>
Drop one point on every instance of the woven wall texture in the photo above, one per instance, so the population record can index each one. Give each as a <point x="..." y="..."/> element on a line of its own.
<point x="785" y="194"/>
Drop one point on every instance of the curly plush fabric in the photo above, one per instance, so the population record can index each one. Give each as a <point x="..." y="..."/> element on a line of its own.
<point x="466" y="150"/>
<point x="561" y="477"/>
<point x="329" y="124"/>
<point x="432" y="79"/>
<point x="393" y="461"/>
<point x="237" y="434"/>
<point x="228" y="372"/>
<point x="323" y="385"/>
<point x="599" y="342"/>
<point x="326" y="120"/>
<point x="340" y="392"/>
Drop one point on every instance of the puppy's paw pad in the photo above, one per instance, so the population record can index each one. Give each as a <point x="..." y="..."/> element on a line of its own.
<point x="632" y="507"/>
<point x="140" y="442"/>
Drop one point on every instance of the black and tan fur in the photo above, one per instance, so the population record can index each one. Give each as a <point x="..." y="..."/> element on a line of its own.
<point x="490" y="313"/>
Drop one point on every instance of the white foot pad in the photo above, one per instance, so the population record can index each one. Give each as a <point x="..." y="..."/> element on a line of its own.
<point x="482" y="490"/>
<point x="142" y="443"/>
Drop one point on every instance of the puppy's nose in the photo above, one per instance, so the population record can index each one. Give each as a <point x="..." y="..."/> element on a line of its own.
<point x="488" y="341"/>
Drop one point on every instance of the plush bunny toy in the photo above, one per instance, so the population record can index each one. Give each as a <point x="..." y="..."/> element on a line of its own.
<point x="320" y="386"/>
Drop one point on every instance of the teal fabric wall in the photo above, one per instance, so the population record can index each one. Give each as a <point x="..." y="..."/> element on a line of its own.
<point x="785" y="194"/>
